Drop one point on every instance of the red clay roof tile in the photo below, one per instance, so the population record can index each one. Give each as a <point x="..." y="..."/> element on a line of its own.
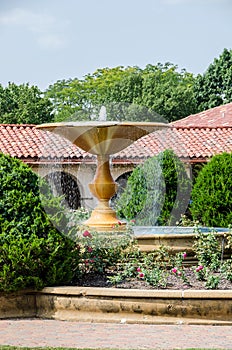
<point x="198" y="136"/>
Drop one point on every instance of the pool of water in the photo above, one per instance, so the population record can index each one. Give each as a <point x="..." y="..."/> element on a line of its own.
<point x="158" y="230"/>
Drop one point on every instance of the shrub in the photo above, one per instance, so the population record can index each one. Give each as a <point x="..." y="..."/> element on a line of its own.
<point x="33" y="253"/>
<point x="157" y="192"/>
<point x="212" y="193"/>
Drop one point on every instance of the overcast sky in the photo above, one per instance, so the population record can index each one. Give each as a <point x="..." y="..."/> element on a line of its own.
<point x="42" y="41"/>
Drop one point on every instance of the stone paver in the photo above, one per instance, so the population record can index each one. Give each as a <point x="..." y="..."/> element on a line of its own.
<point x="53" y="333"/>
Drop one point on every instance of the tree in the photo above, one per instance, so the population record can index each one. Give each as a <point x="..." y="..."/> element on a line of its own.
<point x="160" y="89"/>
<point x="157" y="192"/>
<point x="214" y="87"/>
<point x="212" y="192"/>
<point x="24" y="104"/>
<point x="33" y="253"/>
<point x="126" y="92"/>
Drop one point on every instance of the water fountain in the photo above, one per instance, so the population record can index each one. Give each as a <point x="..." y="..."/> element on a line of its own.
<point x="103" y="138"/>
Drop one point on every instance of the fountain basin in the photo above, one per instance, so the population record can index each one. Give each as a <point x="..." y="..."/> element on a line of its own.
<point x="175" y="238"/>
<point x="102" y="138"/>
<point x="170" y="230"/>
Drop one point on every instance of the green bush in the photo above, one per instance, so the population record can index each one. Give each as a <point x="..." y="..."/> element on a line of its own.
<point x="33" y="253"/>
<point x="212" y="193"/>
<point x="157" y="192"/>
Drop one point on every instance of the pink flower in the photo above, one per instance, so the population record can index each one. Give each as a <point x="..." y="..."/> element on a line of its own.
<point x="138" y="269"/>
<point x="199" y="268"/>
<point x="119" y="223"/>
<point x="141" y="275"/>
<point x="184" y="255"/>
<point x="89" y="249"/>
<point x="87" y="234"/>
<point x="174" y="270"/>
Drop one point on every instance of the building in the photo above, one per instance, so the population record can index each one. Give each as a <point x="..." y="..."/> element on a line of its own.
<point x="195" y="139"/>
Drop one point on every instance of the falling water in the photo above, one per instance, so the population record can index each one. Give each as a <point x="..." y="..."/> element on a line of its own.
<point x="102" y="114"/>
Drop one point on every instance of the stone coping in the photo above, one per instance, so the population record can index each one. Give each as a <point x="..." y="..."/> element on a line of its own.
<point x="88" y="304"/>
<point x="135" y="293"/>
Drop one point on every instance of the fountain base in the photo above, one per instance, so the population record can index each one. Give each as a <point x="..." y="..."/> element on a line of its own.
<point x="103" y="218"/>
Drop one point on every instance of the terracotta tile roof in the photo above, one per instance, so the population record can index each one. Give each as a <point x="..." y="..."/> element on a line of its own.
<point x="194" y="138"/>
<point x="195" y="144"/>
<point x="214" y="117"/>
<point x="30" y="144"/>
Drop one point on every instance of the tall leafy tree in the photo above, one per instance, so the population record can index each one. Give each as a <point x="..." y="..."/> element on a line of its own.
<point x="24" y="104"/>
<point x="214" y="87"/>
<point x="159" y="89"/>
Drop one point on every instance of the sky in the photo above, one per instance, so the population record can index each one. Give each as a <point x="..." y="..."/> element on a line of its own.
<point x="47" y="40"/>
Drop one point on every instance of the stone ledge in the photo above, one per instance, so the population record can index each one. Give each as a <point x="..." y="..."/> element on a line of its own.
<point x="21" y="305"/>
<point x="121" y="305"/>
<point x="111" y="292"/>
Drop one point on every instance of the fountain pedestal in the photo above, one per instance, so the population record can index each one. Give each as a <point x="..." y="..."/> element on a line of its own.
<point x="103" y="188"/>
<point x="103" y="139"/>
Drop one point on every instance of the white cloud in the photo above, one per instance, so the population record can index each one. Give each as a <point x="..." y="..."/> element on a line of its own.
<point x="20" y="17"/>
<point x="46" y="28"/>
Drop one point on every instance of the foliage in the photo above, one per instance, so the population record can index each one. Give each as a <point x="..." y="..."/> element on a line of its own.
<point x="211" y="194"/>
<point x="33" y="253"/>
<point x="156" y="267"/>
<point x="150" y="267"/>
<point x="186" y="221"/>
<point x="157" y="192"/>
<point x="130" y="93"/>
<point x="208" y="249"/>
<point x="24" y="104"/>
<point x="214" y="87"/>
<point x="101" y="250"/>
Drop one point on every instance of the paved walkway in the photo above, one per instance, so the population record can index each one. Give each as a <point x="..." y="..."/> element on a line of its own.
<point x="37" y="332"/>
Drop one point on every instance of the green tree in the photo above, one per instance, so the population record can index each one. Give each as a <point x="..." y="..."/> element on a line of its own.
<point x="33" y="253"/>
<point x="212" y="193"/>
<point x="161" y="89"/>
<point x="214" y="87"/>
<point x="129" y="93"/>
<point x="24" y="104"/>
<point x="157" y="192"/>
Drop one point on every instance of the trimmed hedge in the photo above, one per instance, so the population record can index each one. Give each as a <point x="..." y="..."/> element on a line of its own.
<point x="33" y="253"/>
<point x="212" y="193"/>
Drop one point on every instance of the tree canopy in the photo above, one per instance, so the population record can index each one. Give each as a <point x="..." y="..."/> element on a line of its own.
<point x="160" y="90"/>
<point x="24" y="104"/>
<point x="214" y="87"/>
<point x="155" y="93"/>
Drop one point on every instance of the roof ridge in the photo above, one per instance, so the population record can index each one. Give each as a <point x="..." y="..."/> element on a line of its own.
<point x="201" y="127"/>
<point x="17" y="125"/>
<point x="205" y="112"/>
